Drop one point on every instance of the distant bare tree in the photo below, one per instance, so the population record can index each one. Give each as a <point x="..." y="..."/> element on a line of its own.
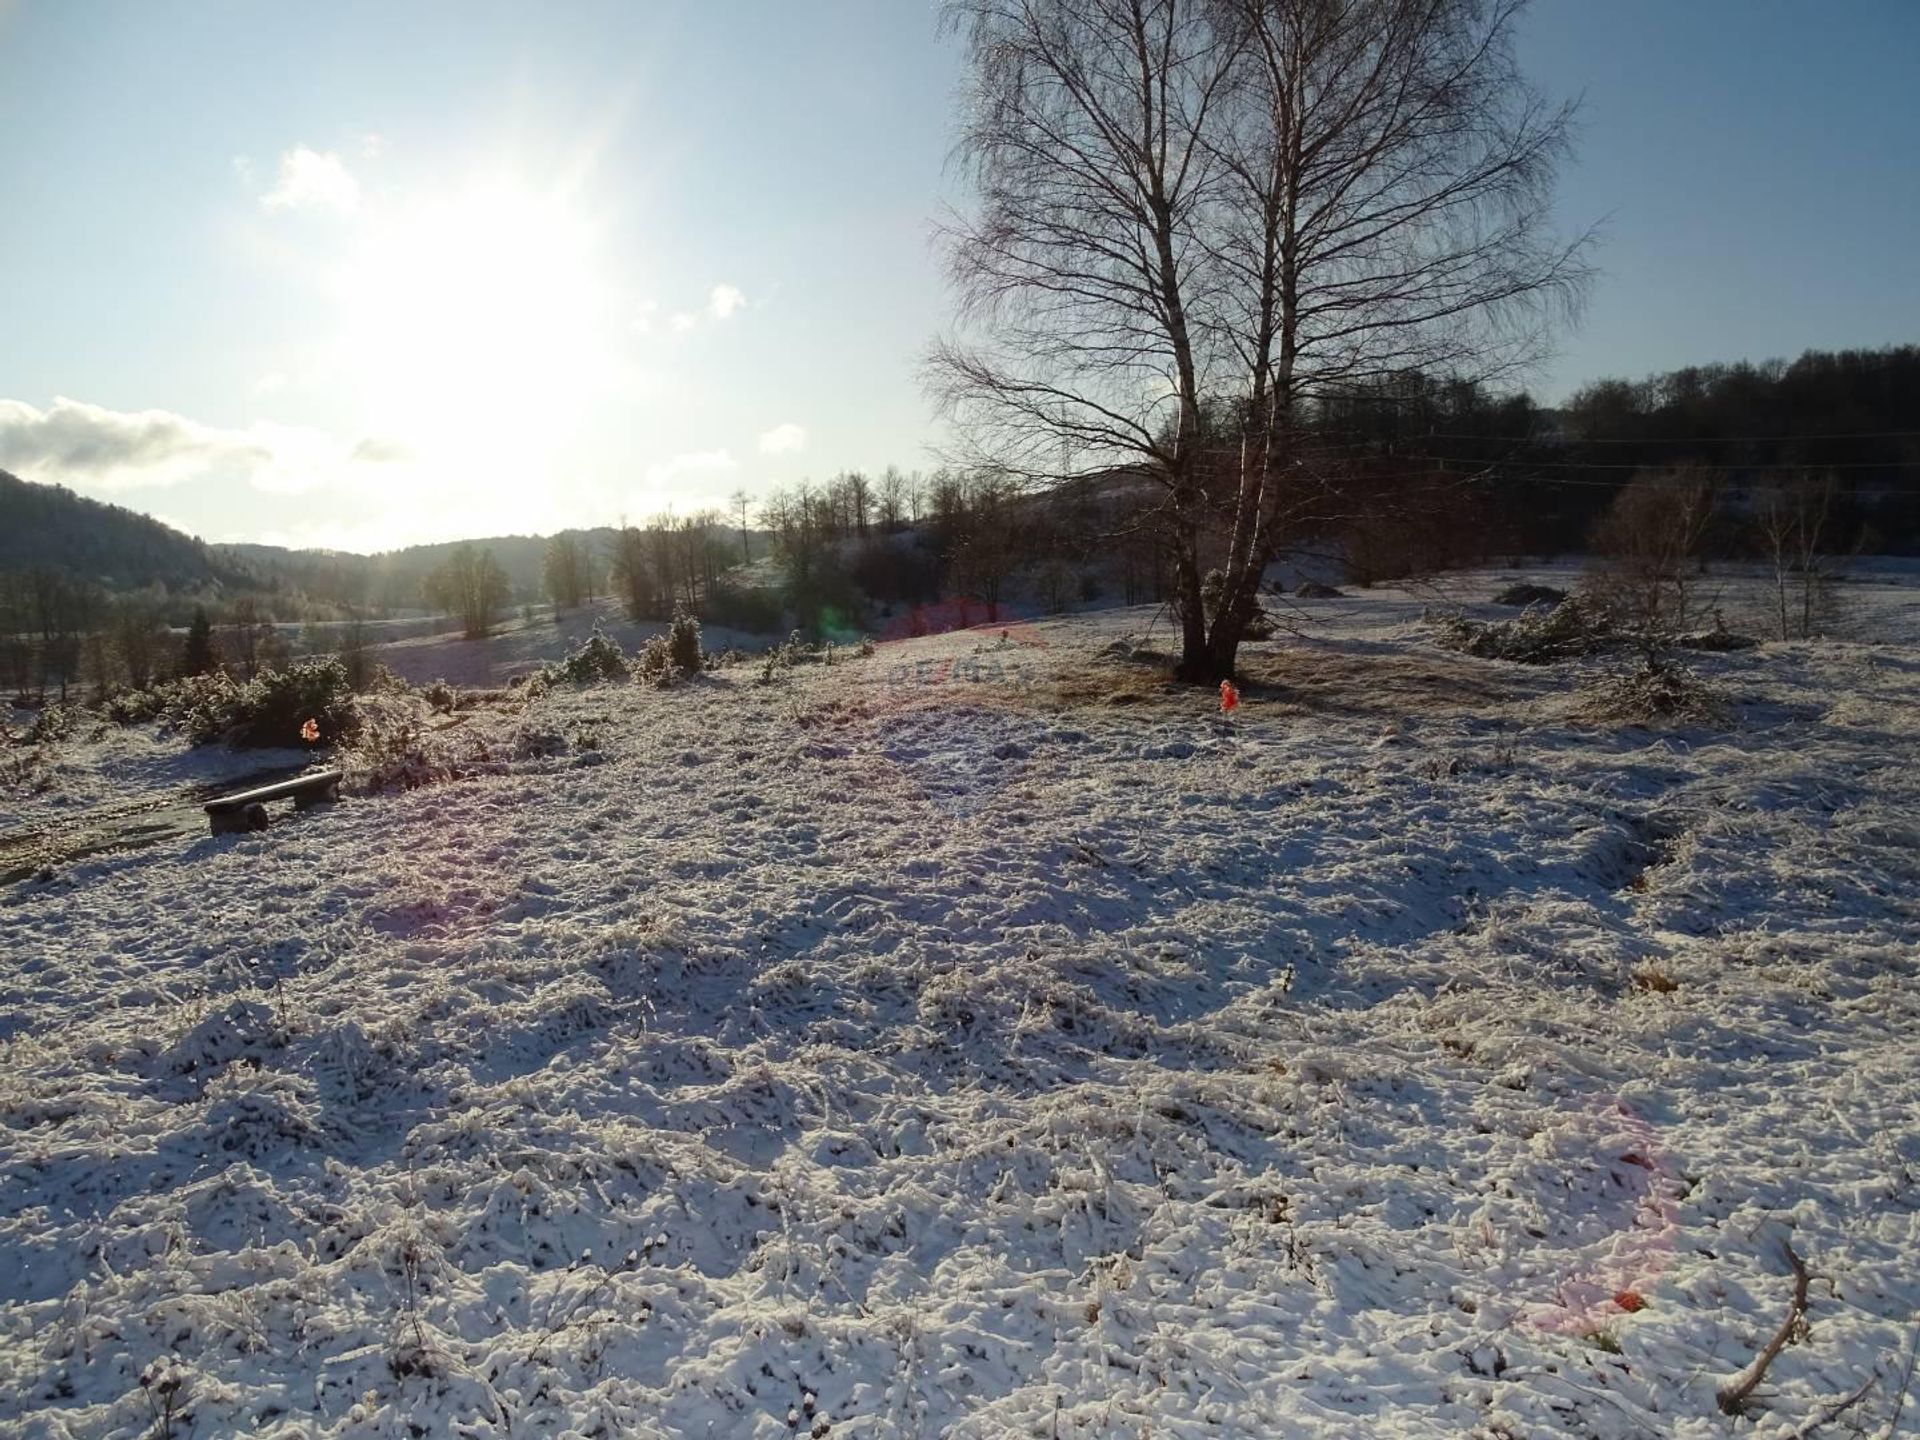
<point x="987" y="549"/>
<point x="741" y="502"/>
<point x="891" y="499"/>
<point x="1793" y="520"/>
<point x="356" y="652"/>
<point x="1650" y="541"/>
<point x="565" y="567"/>
<point x="469" y="583"/>
<point x="632" y="574"/>
<point x="247" y="627"/>
<point x="140" y="641"/>
<point x="1195" y="208"/>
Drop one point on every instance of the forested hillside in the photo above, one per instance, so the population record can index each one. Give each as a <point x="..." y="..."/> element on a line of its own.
<point x="50" y="527"/>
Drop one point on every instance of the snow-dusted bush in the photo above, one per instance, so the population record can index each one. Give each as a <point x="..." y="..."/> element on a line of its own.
<point x="383" y="681"/>
<point x="654" y="664"/>
<point x="137" y="707"/>
<point x="441" y="696"/>
<point x="683" y="643"/>
<point x="193" y="703"/>
<point x="200" y="705"/>
<point x="393" y="752"/>
<point x="55" y="722"/>
<point x="26" y="769"/>
<point x="599" y="658"/>
<point x="394" y="749"/>
<point x="1576" y="626"/>
<point x="270" y="709"/>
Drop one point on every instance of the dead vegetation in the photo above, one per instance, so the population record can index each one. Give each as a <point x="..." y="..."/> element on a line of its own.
<point x="1540" y="636"/>
<point x="1660" y="691"/>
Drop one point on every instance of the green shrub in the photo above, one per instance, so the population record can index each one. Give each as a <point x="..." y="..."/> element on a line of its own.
<point x="201" y="705"/>
<point x="269" y="710"/>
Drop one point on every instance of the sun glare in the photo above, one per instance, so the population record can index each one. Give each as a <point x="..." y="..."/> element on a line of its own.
<point x="474" y="321"/>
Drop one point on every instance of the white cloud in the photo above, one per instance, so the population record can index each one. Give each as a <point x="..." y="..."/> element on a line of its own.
<point x="271" y="383"/>
<point x="783" y="439"/>
<point x="116" y="449"/>
<point x="313" y="180"/>
<point x="93" y="448"/>
<point x="380" y="450"/>
<point x="723" y="303"/>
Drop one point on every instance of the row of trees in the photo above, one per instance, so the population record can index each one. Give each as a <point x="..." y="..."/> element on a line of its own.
<point x="59" y="636"/>
<point x="668" y="565"/>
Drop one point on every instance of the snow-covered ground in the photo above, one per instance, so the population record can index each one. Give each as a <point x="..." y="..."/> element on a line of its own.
<point x="981" y="1039"/>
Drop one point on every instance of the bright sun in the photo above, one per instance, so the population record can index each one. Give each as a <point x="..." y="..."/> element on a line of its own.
<point x="474" y="322"/>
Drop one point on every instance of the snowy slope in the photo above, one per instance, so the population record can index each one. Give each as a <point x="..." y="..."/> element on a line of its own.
<point x="979" y="1039"/>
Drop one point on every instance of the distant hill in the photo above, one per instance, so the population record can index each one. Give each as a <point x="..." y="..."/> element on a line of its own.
<point x="50" y="527"/>
<point x="393" y="580"/>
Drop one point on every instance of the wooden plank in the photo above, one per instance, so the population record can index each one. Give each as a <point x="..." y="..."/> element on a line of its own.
<point x="305" y="787"/>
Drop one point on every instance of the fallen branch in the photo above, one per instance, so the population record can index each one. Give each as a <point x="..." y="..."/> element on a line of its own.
<point x="1733" y="1394"/>
<point x="1900" y="1396"/>
<point x="1831" y="1411"/>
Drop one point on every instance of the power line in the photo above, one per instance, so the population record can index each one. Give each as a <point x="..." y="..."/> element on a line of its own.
<point x="1483" y="469"/>
<point x="1681" y="439"/>
<point x="1679" y="465"/>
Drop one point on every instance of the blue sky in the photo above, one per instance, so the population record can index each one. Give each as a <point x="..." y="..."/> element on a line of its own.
<point x="365" y="274"/>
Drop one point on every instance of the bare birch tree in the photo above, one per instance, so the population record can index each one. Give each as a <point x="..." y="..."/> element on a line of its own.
<point x="1204" y="207"/>
<point x="1793" y="521"/>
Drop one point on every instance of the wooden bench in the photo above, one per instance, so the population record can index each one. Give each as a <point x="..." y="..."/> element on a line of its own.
<point x="248" y="810"/>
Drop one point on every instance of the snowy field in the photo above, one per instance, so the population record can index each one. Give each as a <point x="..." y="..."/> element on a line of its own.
<point x="980" y="1039"/>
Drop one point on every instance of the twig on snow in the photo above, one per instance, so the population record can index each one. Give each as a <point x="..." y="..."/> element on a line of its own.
<point x="1831" y="1411"/>
<point x="1906" y="1380"/>
<point x="1733" y="1393"/>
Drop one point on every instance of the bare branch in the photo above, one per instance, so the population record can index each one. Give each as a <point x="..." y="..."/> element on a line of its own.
<point x="1733" y="1393"/>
